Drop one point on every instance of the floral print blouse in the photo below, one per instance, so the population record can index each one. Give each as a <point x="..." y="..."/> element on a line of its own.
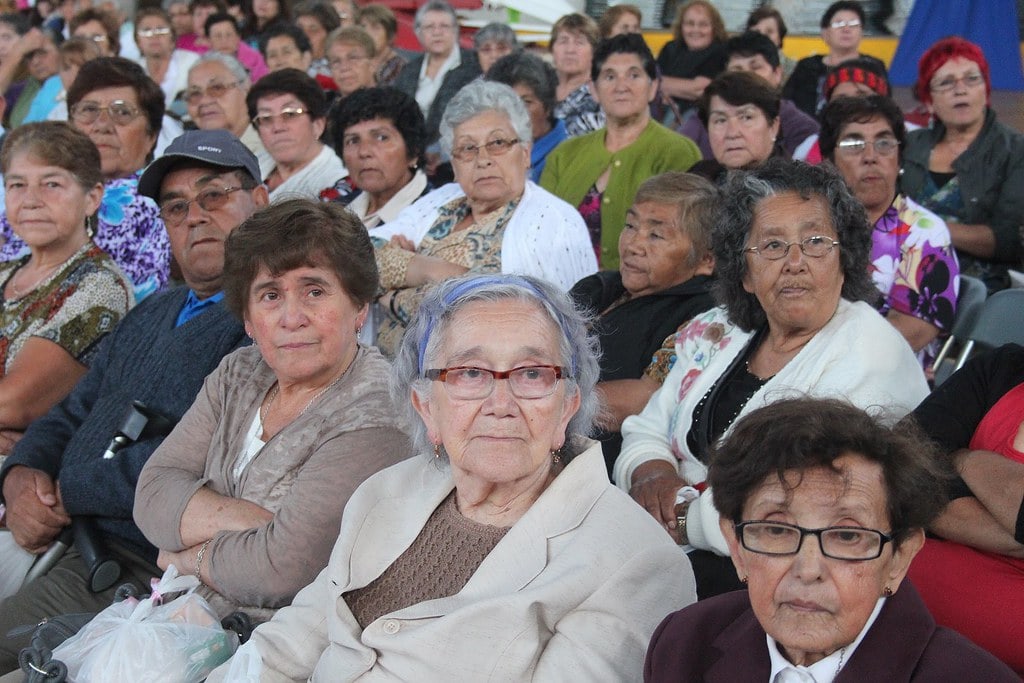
<point x="129" y="229"/>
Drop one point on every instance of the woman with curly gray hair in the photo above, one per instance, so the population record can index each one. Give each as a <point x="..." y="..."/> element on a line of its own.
<point x="791" y="253"/>
<point x="492" y="219"/>
<point x="503" y="553"/>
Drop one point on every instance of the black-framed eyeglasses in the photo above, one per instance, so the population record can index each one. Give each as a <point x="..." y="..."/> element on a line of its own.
<point x="854" y="147"/>
<point x="814" y="246"/>
<point x="214" y="91"/>
<point x="121" y="113"/>
<point x="471" y="383"/>
<point x="285" y="116"/>
<point x="852" y="543"/>
<point x="211" y="199"/>
<point x="495" y="148"/>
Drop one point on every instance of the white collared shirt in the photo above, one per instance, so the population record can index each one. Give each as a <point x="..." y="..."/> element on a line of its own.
<point x="823" y="671"/>
<point x="426" y="89"/>
<point x="409" y="193"/>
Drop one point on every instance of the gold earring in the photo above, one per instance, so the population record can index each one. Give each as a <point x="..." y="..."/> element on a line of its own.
<point x="744" y="580"/>
<point x="887" y="592"/>
<point x="556" y="459"/>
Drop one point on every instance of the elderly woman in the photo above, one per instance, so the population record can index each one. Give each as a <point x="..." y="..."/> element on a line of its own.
<point x="536" y="82"/>
<point x="695" y="55"/>
<point x="352" y="58"/>
<point x="120" y="108"/>
<point x="740" y="111"/>
<point x="435" y="76"/>
<point x="823" y="509"/>
<point x="620" y="19"/>
<point x="968" y="167"/>
<point x="492" y="42"/>
<point x="975" y="419"/>
<point x="492" y="219"/>
<point x="247" y="491"/>
<point x="912" y="260"/>
<point x="574" y="38"/>
<point x="163" y="63"/>
<point x="285" y="46"/>
<point x="380" y="22"/>
<point x="380" y="135"/>
<point x="664" y="279"/>
<point x="225" y="37"/>
<point x="317" y="19"/>
<point x="791" y="256"/>
<point x="289" y="112"/>
<point x="546" y="568"/>
<point x="842" y="28"/>
<point x="599" y="172"/>
<point x="768" y="21"/>
<point x="60" y="299"/>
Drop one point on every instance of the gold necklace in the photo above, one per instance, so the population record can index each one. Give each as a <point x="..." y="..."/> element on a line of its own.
<point x="277" y="389"/>
<point x="19" y="292"/>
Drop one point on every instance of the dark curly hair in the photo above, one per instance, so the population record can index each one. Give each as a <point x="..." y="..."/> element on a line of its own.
<point x="289" y="82"/>
<point x="743" y="192"/>
<point x="738" y="88"/>
<point x="277" y="30"/>
<point x="114" y="72"/>
<point x="295" y="233"/>
<point x="799" y="434"/>
<point x="626" y="43"/>
<point x="386" y="103"/>
<point x="844" y="110"/>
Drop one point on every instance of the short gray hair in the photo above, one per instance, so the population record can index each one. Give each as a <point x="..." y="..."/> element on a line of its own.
<point x="429" y="328"/>
<point x="741" y="195"/>
<point x="435" y="6"/>
<point x="482" y="96"/>
<point x="229" y="62"/>
<point x="499" y="33"/>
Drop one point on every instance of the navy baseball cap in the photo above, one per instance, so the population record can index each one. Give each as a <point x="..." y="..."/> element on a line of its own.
<point x="215" y="147"/>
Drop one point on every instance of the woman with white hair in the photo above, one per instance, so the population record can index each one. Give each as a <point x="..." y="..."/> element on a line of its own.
<point x="443" y="69"/>
<point x="492" y="219"/>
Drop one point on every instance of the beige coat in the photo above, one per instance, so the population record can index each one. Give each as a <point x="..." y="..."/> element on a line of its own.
<point x="572" y="592"/>
<point x="304" y="475"/>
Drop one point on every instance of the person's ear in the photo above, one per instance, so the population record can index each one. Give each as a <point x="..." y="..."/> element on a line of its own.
<point x="901" y="558"/>
<point x="260" y="196"/>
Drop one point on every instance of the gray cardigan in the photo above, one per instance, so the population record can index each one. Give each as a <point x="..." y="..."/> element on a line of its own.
<point x="991" y="177"/>
<point x="304" y="475"/>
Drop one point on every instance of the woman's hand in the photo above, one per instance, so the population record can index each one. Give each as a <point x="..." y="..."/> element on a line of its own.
<point x="655" y="485"/>
<point x="425" y="270"/>
<point x="402" y="242"/>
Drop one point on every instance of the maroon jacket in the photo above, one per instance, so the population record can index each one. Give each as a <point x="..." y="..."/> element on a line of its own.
<point x="720" y="640"/>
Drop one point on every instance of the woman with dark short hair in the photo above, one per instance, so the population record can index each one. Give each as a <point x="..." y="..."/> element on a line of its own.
<point x="823" y="509"/>
<point x="248" y="490"/>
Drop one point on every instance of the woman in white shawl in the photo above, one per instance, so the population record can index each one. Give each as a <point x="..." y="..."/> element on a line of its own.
<point x="288" y="110"/>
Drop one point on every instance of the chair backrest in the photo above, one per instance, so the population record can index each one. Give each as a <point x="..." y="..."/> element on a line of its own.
<point x="968" y="305"/>
<point x="1001" y="320"/>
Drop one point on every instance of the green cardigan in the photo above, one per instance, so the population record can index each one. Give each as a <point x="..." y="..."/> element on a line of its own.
<point x="576" y="164"/>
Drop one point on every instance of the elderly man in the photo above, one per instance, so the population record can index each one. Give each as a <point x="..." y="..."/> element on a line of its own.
<point x="206" y="185"/>
<point x="217" y="86"/>
<point x="752" y="51"/>
<point x="436" y="75"/>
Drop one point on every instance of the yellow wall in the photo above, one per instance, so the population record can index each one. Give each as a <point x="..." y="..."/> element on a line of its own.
<point x="798" y="47"/>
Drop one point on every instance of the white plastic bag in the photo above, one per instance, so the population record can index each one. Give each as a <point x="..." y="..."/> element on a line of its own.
<point x="144" y="640"/>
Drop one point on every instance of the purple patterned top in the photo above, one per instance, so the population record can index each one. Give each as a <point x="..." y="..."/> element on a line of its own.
<point x="129" y="230"/>
<point x="914" y="266"/>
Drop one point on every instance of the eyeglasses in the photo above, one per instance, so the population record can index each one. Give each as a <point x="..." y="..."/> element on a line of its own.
<point x="428" y="28"/>
<point x="948" y="83"/>
<point x="851" y="543"/>
<point x="854" y="147"/>
<point x="286" y="116"/>
<point x="214" y="90"/>
<point x="94" y="37"/>
<point x="815" y="246"/>
<point x="852" y="23"/>
<point x="121" y="113"/>
<point x="495" y="148"/>
<point x="469" y="383"/>
<point x="339" y="62"/>
<point x="175" y="211"/>
<point x="154" y="32"/>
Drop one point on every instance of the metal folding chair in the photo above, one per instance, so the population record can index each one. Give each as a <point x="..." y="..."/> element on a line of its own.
<point x="1001" y="321"/>
<point x="968" y="306"/>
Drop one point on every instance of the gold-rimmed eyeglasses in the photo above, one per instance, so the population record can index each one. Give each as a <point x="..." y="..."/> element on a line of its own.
<point x="773" y="249"/>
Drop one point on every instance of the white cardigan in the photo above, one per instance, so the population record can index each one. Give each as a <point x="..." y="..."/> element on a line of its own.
<point x="545" y="237"/>
<point x="322" y="172"/>
<point x="857" y="356"/>
<point x="573" y="592"/>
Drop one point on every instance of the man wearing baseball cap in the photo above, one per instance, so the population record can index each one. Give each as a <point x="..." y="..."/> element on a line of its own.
<point x="206" y="184"/>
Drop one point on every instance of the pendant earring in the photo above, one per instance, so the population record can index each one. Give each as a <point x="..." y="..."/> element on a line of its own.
<point x="437" y="451"/>
<point x="556" y="459"/>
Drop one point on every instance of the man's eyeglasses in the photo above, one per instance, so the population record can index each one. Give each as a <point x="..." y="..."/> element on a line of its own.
<point x="854" y="147"/>
<point x="851" y="543"/>
<point x="214" y="90"/>
<point x="153" y="32"/>
<point x="470" y="383"/>
<point x="121" y="113"/>
<point x="175" y="211"/>
<point x="852" y="23"/>
<point x="286" y="116"/>
<point x="495" y="148"/>
<point x="815" y="246"/>
<point x="947" y="84"/>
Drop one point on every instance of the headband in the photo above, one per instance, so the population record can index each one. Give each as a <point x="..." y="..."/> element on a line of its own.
<point x="856" y="74"/>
